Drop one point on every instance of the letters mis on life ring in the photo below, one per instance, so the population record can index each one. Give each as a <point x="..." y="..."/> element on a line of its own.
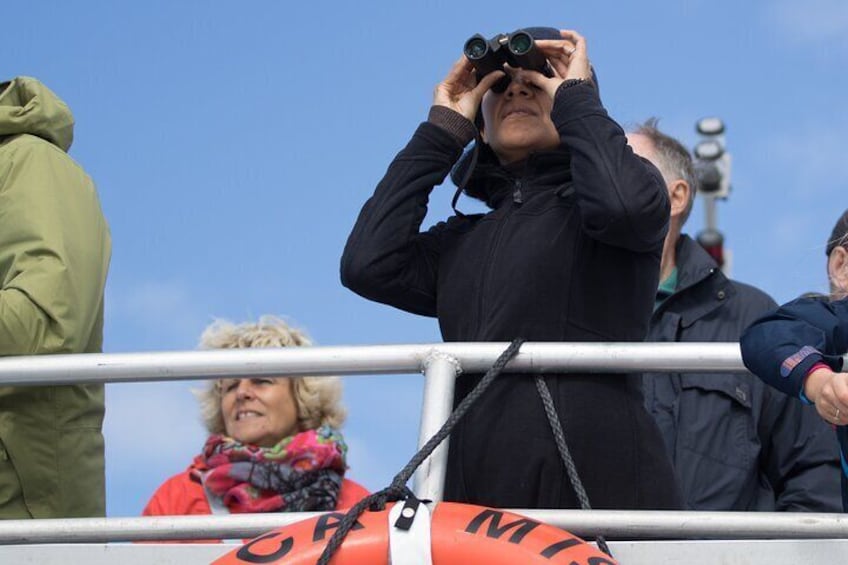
<point x="460" y="534"/>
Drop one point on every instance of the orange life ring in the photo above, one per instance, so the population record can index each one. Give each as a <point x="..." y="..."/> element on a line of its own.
<point x="459" y="533"/>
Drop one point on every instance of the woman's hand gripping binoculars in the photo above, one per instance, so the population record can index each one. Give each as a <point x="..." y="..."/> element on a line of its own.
<point x="492" y="63"/>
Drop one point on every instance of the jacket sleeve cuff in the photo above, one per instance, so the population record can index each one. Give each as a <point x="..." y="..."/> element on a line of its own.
<point x="433" y="141"/>
<point x="460" y="127"/>
<point x="797" y="366"/>
<point x="573" y="101"/>
<point x="803" y="395"/>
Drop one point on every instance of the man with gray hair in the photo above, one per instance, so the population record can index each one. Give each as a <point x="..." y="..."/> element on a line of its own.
<point x="735" y="443"/>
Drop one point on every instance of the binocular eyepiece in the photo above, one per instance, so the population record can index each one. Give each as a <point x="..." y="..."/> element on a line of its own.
<point x="518" y="49"/>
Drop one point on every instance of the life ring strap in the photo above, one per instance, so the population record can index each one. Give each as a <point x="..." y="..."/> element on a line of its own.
<point x="410" y="545"/>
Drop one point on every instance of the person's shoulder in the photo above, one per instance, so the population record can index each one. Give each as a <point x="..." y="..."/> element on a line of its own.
<point x="179" y="494"/>
<point x="817" y="308"/>
<point x="456" y="224"/>
<point x="463" y="221"/>
<point x="753" y="294"/>
<point x="351" y="493"/>
<point x="184" y="477"/>
<point x="30" y="152"/>
<point x="25" y="143"/>
<point x="739" y="303"/>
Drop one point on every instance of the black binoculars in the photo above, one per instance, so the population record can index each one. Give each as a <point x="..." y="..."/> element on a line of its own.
<point x="518" y="49"/>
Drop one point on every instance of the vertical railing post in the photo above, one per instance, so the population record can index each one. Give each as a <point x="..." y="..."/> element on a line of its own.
<point x="440" y="372"/>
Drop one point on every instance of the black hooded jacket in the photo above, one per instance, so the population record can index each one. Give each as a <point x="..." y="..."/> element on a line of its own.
<point x="570" y="252"/>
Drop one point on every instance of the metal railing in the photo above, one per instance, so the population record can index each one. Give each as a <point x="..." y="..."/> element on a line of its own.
<point x="440" y="363"/>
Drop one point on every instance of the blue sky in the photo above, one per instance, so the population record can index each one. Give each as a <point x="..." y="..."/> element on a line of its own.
<point x="233" y="144"/>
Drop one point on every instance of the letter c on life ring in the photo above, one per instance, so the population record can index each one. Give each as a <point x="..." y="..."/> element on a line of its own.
<point x="460" y="534"/>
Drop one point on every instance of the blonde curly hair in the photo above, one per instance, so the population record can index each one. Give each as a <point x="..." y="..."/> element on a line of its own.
<point x="318" y="399"/>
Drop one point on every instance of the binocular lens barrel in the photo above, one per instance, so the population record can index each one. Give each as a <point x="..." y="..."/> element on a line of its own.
<point x="520" y="43"/>
<point x="518" y="49"/>
<point x="476" y="48"/>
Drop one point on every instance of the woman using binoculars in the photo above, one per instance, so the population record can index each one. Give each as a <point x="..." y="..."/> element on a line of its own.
<point x="569" y="251"/>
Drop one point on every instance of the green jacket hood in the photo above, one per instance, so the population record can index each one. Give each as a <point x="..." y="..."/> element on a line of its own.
<point x="27" y="106"/>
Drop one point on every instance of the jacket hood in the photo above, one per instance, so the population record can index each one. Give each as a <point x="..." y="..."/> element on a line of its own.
<point x="27" y="106"/>
<point x="490" y="182"/>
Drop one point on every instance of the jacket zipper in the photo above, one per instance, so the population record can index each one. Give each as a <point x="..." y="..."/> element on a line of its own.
<point x="517" y="197"/>
<point x="496" y="239"/>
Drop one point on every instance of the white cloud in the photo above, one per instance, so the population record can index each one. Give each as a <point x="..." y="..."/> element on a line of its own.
<point x="811" y="21"/>
<point x="158" y="314"/>
<point x="152" y="431"/>
<point x="154" y="422"/>
<point x="153" y="302"/>
<point x="374" y="462"/>
<point x="814" y="155"/>
<point x="382" y="426"/>
<point x="366" y="467"/>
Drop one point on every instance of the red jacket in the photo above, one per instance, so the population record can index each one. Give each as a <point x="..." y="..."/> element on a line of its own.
<point x="183" y="495"/>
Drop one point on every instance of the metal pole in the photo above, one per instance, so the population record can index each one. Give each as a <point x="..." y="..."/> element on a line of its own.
<point x="679" y="524"/>
<point x="710" y="213"/>
<point x="379" y="359"/>
<point x="622" y="524"/>
<point x="440" y="371"/>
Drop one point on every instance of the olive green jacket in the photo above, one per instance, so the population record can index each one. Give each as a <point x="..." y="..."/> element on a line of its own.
<point x="54" y="257"/>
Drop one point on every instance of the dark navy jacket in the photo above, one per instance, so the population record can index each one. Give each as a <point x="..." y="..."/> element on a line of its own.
<point x="736" y="444"/>
<point x="570" y="252"/>
<point x="783" y="346"/>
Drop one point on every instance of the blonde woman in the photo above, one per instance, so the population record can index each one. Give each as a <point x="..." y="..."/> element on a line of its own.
<point x="274" y="443"/>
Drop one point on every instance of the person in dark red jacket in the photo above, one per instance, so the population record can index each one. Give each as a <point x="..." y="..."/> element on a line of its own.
<point x="274" y="443"/>
<point x="570" y="251"/>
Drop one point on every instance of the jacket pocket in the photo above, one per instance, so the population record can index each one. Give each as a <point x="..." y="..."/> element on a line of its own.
<point x="715" y="419"/>
<point x="12" y="503"/>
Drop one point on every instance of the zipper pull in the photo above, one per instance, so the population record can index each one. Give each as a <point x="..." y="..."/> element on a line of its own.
<point x="517" y="197"/>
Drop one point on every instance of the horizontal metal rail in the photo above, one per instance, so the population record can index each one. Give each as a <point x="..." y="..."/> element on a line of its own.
<point x="374" y="359"/>
<point x="622" y="524"/>
<point x="393" y="359"/>
<point x="690" y="552"/>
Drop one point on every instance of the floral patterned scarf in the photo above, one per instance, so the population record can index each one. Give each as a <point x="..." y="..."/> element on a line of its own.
<point x="302" y="472"/>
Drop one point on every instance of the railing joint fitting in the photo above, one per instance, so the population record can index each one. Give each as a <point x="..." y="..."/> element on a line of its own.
<point x="435" y="355"/>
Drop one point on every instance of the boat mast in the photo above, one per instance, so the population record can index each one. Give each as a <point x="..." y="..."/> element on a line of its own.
<point x="712" y="167"/>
